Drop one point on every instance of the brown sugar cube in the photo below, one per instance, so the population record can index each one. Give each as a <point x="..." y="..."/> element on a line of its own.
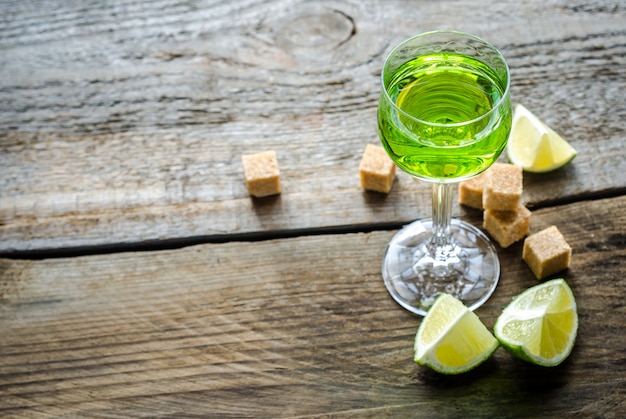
<point x="376" y="170"/>
<point x="507" y="227"/>
<point x="547" y="252"/>
<point x="503" y="187"/>
<point x="471" y="191"/>
<point x="261" y="173"/>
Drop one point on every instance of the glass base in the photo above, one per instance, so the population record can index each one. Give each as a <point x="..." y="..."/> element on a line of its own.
<point x="416" y="272"/>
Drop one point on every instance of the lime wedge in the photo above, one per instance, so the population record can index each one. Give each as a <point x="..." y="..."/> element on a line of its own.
<point x="534" y="146"/>
<point x="540" y="324"/>
<point x="451" y="339"/>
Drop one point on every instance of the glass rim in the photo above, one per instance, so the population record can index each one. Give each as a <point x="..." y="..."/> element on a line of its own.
<point x="503" y="98"/>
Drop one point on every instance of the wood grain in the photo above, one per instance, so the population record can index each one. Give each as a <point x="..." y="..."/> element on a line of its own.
<point x="124" y="122"/>
<point x="291" y="328"/>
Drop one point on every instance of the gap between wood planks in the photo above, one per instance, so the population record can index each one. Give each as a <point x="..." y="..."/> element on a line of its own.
<point x="257" y="236"/>
<point x="178" y="243"/>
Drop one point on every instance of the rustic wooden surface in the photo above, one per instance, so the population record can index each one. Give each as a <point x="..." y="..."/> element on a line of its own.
<point x="290" y="328"/>
<point x="122" y="124"/>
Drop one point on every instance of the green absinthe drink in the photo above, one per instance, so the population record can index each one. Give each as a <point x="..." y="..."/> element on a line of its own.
<point x="440" y="117"/>
<point x="444" y="115"/>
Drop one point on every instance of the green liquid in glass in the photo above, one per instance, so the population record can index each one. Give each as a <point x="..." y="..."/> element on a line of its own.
<point x="443" y="126"/>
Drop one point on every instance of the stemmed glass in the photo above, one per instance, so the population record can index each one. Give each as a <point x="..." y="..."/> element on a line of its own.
<point x="444" y="116"/>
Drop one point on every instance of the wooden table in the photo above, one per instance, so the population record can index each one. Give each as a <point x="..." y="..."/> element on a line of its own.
<point x="139" y="279"/>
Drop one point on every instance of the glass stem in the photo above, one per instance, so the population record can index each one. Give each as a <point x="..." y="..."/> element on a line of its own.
<point x="442" y="216"/>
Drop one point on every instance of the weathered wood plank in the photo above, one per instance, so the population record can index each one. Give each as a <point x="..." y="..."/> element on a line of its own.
<point x="291" y="327"/>
<point x="124" y="122"/>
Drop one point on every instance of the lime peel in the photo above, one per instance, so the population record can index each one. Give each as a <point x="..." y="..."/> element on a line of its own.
<point x="540" y="324"/>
